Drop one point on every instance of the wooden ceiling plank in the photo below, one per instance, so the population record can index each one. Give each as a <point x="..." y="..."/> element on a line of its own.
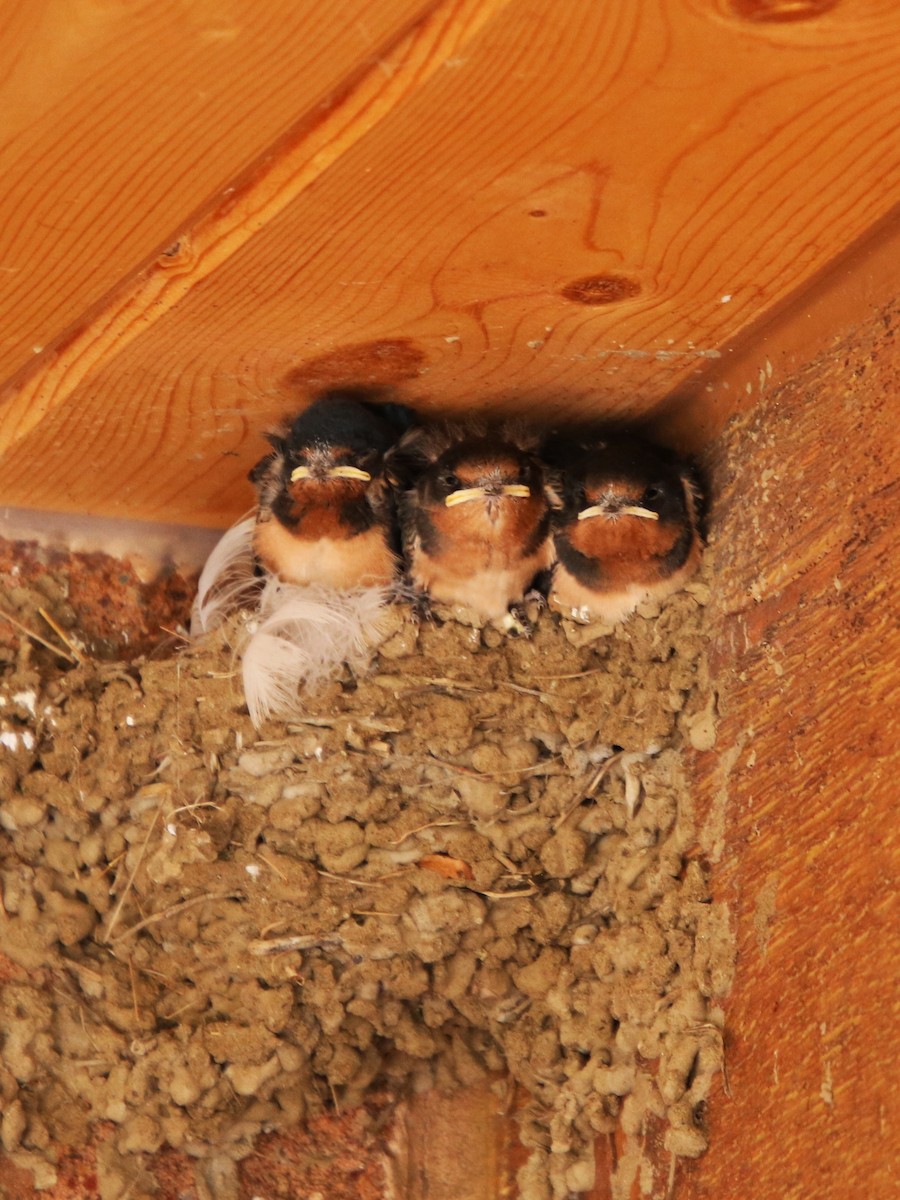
<point x="121" y="120"/>
<point x="572" y="214"/>
<point x="244" y="209"/>
<point x="859" y="283"/>
<point x="802" y="801"/>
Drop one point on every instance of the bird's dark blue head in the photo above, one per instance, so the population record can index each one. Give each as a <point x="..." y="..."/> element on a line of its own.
<point x="620" y="469"/>
<point x="343" y="419"/>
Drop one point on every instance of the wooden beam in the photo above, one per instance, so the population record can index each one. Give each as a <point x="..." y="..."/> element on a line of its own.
<point x="801" y="792"/>
<point x="544" y="209"/>
<point x="123" y="122"/>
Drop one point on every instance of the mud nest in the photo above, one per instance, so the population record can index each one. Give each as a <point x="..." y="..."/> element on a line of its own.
<point x="475" y="860"/>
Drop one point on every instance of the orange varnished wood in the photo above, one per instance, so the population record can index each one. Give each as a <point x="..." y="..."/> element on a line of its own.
<point x="121" y="120"/>
<point x="800" y="795"/>
<point x="454" y="1146"/>
<point x="798" y="802"/>
<point x="515" y="207"/>
<point x="523" y="208"/>
<point x="851" y="291"/>
<point x="802" y="789"/>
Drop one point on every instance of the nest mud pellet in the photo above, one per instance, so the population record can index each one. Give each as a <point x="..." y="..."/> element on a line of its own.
<point x="472" y="861"/>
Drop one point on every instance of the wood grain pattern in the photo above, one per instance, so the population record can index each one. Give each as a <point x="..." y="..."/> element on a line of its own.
<point x="802" y="791"/>
<point x="120" y="120"/>
<point x="512" y="207"/>
<point x="854" y="289"/>
<point x="454" y="1147"/>
<point x="537" y="212"/>
<point x="798" y="801"/>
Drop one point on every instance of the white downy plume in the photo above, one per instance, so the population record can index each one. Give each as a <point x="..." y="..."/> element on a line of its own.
<point x="228" y="580"/>
<point x="302" y="637"/>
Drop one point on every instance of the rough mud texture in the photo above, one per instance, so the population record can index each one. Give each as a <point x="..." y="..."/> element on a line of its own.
<point x="99" y="602"/>
<point x="477" y="859"/>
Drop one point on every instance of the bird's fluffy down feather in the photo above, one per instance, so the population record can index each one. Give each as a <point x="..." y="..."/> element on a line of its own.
<point x="295" y="637"/>
<point x="302" y="637"/>
<point x="228" y="580"/>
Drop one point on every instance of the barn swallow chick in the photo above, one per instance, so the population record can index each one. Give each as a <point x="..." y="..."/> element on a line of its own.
<point x="325" y="512"/>
<point x="474" y="516"/>
<point x="626" y="527"/>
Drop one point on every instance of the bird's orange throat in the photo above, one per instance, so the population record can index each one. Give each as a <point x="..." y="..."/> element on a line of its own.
<point x="489" y="533"/>
<point x="630" y="549"/>
<point x="317" y="507"/>
<point x="485" y="556"/>
<point x="336" y="561"/>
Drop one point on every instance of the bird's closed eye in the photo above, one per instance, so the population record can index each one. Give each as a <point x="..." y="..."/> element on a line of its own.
<point x="654" y="492"/>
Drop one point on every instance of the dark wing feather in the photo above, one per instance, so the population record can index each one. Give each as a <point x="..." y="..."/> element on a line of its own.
<point x="267" y="478"/>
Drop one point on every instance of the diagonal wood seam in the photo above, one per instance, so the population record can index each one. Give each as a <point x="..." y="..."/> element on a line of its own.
<point x="234" y="216"/>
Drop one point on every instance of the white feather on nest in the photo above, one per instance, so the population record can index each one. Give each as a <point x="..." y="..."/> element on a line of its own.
<point x="302" y="637"/>
<point x="295" y="636"/>
<point x="228" y="580"/>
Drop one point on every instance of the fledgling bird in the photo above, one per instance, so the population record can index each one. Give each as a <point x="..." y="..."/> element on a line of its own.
<point x="474" y="515"/>
<point x="325" y="509"/>
<point x="324" y="530"/>
<point x="625" y="527"/>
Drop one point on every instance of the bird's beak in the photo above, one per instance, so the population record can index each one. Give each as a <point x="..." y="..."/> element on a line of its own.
<point x="627" y="510"/>
<point x="334" y="473"/>
<point x="462" y="495"/>
<point x="349" y="473"/>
